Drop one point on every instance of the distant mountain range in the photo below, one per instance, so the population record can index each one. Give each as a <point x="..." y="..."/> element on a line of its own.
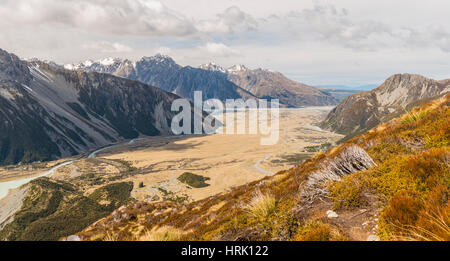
<point x="213" y="80"/>
<point x="366" y="87"/>
<point x="48" y="112"/>
<point x="397" y="95"/>
<point x="268" y="84"/>
<point x="163" y="72"/>
<point x="340" y="92"/>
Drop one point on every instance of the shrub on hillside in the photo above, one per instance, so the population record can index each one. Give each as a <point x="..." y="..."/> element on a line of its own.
<point x="431" y="166"/>
<point x="409" y="217"/>
<point x="193" y="180"/>
<point x="318" y="231"/>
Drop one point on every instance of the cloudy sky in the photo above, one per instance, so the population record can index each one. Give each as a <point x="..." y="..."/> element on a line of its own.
<point x="318" y="42"/>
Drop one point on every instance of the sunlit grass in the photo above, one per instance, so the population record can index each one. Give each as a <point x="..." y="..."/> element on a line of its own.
<point x="162" y="234"/>
<point x="261" y="205"/>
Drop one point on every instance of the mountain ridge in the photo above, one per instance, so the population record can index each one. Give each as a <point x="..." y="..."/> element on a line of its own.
<point x="398" y="94"/>
<point x="163" y="72"/>
<point x="48" y="112"/>
<point x="213" y="80"/>
<point x="268" y="84"/>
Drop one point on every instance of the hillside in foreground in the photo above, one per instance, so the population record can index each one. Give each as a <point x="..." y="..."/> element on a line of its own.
<point x="390" y="183"/>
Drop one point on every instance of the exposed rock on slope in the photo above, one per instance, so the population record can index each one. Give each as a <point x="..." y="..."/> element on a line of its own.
<point x="397" y="95"/>
<point x="48" y="112"/>
<point x="162" y="71"/>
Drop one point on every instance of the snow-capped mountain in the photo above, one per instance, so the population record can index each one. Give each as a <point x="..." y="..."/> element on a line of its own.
<point x="237" y="68"/>
<point x="212" y="67"/>
<point x="163" y="72"/>
<point x="214" y="81"/>
<point x="268" y="84"/>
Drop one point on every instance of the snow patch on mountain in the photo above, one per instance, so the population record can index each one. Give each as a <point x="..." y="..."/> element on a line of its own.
<point x="237" y="68"/>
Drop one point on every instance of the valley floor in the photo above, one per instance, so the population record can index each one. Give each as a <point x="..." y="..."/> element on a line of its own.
<point x="157" y="162"/>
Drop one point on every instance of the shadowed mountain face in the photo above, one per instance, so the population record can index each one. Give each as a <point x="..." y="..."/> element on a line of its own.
<point x="163" y="72"/>
<point x="397" y="95"/>
<point x="48" y="112"/>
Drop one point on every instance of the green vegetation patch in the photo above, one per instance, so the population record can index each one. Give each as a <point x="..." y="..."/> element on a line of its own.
<point x="297" y="158"/>
<point x="53" y="209"/>
<point x="125" y="163"/>
<point x="193" y="180"/>
<point x="322" y="147"/>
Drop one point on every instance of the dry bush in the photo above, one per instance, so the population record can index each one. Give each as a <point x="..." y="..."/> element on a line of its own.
<point x="430" y="165"/>
<point x="403" y="208"/>
<point x="407" y="217"/>
<point x="318" y="231"/>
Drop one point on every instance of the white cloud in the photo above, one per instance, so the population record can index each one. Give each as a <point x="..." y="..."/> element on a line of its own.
<point x="435" y="36"/>
<point x="124" y="17"/>
<point x="326" y="23"/>
<point x="107" y="47"/>
<point x="163" y="50"/>
<point x="220" y="49"/>
<point x="232" y="20"/>
<point x="312" y="39"/>
<point x="337" y="26"/>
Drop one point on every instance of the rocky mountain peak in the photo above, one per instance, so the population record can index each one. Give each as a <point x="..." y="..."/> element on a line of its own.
<point x="398" y="94"/>
<point x="158" y="59"/>
<point x="62" y="112"/>
<point x="11" y="67"/>
<point x="109" y="61"/>
<point x="405" y="78"/>
<point x="402" y="89"/>
<point x="212" y="67"/>
<point x="237" y="68"/>
<point x="265" y="83"/>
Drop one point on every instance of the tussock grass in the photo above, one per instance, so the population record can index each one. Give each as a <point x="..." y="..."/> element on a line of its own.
<point x="436" y="229"/>
<point x="165" y="233"/>
<point x="110" y="237"/>
<point x="261" y="205"/>
<point x="413" y="116"/>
